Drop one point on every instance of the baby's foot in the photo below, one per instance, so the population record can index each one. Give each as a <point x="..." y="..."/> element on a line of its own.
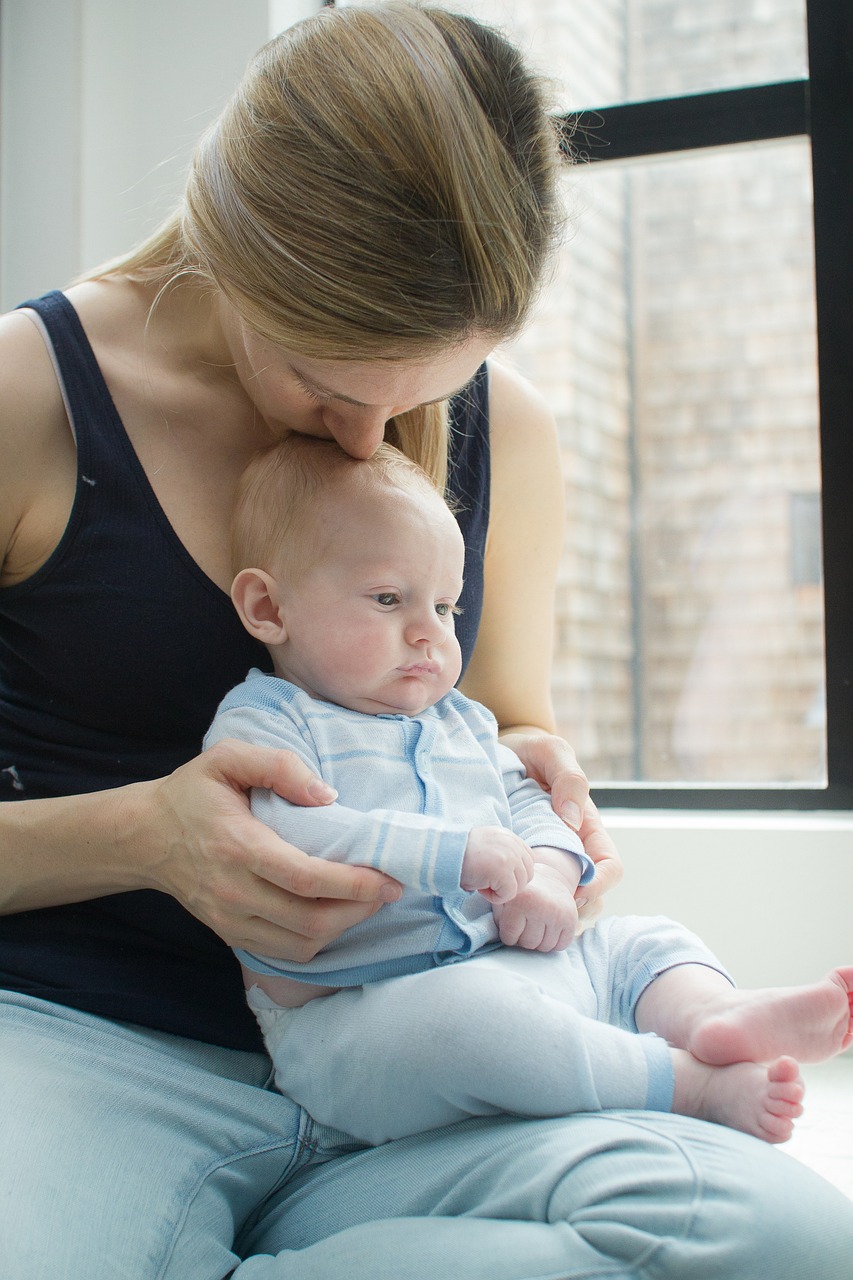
<point x="811" y="1023"/>
<point x="761" y="1100"/>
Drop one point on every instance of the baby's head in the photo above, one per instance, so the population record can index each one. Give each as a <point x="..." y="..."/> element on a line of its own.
<point x="349" y="572"/>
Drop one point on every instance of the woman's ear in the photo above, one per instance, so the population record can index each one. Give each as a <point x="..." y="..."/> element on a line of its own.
<point x="256" y="598"/>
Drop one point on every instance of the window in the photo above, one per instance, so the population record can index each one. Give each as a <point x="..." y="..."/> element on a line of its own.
<point x="694" y="345"/>
<point x="738" y="396"/>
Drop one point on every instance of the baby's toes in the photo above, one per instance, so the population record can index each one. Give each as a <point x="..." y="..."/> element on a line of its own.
<point x="776" y="1128"/>
<point x="792" y="1091"/>
<point x="784" y="1107"/>
<point x="785" y="1071"/>
<point x="785" y="1090"/>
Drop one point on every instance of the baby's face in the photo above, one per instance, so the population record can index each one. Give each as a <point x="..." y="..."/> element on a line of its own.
<point x="370" y="626"/>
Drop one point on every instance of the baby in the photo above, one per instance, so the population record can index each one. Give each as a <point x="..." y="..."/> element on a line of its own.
<point x="349" y="573"/>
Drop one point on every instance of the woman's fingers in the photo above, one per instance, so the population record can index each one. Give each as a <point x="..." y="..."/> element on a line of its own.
<point x="553" y="764"/>
<point x="243" y="766"/>
<point x="302" y="928"/>
<point x="236" y="875"/>
<point x="608" y="865"/>
<point x="280" y="864"/>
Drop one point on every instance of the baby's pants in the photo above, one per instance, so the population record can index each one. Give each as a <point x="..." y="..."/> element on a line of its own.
<point x="509" y="1031"/>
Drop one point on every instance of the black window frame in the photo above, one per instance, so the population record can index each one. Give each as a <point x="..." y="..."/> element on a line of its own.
<point x="820" y="108"/>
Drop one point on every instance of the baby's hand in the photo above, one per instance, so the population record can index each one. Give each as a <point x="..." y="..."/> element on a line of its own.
<point x="497" y="864"/>
<point x="542" y="917"/>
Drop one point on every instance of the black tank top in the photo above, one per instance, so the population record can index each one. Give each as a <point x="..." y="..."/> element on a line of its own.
<point x="113" y="659"/>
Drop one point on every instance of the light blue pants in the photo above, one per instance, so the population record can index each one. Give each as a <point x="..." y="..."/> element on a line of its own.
<point x="130" y="1155"/>
<point x="509" y="1031"/>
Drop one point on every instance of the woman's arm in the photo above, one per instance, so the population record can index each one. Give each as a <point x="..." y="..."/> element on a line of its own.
<point x="191" y="834"/>
<point x="510" y="671"/>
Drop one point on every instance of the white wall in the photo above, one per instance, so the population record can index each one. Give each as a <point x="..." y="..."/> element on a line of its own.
<point x="101" y="104"/>
<point x="101" y="100"/>
<point x="770" y="893"/>
<point x="39" y="146"/>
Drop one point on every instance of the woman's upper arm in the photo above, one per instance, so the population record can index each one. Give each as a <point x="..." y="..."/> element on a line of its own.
<point x="37" y="455"/>
<point x="510" y="671"/>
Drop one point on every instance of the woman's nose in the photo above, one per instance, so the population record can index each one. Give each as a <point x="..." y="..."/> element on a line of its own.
<point x="359" y="431"/>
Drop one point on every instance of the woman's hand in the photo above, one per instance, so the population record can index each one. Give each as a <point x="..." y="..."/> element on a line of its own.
<point x="552" y="763"/>
<point x="608" y="864"/>
<point x="236" y="875"/>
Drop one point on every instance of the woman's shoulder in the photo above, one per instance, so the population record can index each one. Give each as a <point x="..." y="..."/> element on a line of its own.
<point x="518" y="413"/>
<point x="525" y="449"/>
<point x="37" y="455"/>
<point x="28" y="386"/>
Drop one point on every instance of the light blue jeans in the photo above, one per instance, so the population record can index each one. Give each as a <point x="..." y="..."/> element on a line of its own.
<point x="130" y="1155"/>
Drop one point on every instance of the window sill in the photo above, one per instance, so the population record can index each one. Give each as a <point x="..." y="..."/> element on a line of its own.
<point x="769" y="892"/>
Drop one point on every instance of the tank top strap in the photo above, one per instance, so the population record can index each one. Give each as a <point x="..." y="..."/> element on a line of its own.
<point x="470" y="470"/>
<point x="468" y="487"/>
<point x="98" y="430"/>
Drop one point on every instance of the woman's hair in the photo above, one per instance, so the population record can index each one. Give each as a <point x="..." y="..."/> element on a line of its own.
<point x="282" y="498"/>
<point x="381" y="185"/>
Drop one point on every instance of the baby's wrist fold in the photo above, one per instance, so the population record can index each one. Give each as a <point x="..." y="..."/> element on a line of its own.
<point x="565" y="862"/>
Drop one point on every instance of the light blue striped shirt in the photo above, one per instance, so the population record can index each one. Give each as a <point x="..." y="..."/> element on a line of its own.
<point x="444" y="771"/>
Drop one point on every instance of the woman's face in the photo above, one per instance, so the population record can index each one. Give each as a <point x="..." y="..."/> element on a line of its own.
<point x="348" y="401"/>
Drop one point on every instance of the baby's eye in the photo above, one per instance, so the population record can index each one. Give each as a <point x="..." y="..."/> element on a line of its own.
<point x="387" y="598"/>
<point x="443" y="609"/>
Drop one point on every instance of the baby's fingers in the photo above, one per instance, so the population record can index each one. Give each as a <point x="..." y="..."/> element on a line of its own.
<point x="510" y="926"/>
<point x="502" y="889"/>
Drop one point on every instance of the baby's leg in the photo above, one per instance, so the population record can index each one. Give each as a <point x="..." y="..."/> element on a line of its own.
<point x="471" y="1039"/>
<point x="694" y="1008"/>
<point x="654" y="975"/>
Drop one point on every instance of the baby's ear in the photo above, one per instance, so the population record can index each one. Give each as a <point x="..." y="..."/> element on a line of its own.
<point x="256" y="598"/>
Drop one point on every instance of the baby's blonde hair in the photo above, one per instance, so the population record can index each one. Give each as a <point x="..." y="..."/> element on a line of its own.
<point x="278" y="503"/>
<point x="380" y="186"/>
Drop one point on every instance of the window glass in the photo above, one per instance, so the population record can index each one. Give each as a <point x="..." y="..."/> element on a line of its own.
<point x="676" y="344"/>
<point x="612" y="51"/>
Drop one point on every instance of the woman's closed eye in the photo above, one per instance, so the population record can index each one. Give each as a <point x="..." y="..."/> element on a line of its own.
<point x="319" y="397"/>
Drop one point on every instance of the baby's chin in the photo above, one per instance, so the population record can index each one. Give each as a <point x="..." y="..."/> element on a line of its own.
<point x="414" y="697"/>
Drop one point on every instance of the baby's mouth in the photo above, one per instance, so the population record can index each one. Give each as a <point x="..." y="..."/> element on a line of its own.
<point x="425" y="668"/>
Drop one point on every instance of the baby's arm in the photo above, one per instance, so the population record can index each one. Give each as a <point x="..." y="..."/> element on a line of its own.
<point x="423" y="852"/>
<point x="420" y="852"/>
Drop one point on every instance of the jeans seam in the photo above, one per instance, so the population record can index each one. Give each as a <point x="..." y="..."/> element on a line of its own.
<point x="294" y="1144"/>
<point x="638" y="1265"/>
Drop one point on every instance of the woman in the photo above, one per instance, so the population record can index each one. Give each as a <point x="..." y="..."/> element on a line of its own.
<point x="370" y="216"/>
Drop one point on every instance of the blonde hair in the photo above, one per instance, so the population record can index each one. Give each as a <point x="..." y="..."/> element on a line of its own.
<point x="381" y="185"/>
<point x="278" y="504"/>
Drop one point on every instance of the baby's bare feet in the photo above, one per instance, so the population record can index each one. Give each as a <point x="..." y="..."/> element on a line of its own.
<point x="761" y="1100"/>
<point x="811" y="1023"/>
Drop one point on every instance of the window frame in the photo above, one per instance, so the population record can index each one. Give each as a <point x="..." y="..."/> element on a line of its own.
<point x="818" y="107"/>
